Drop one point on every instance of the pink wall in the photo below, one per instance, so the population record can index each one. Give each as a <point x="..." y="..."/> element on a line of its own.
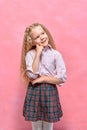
<point x="67" y="21"/>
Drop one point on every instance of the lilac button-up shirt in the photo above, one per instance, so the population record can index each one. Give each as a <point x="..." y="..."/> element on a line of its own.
<point x="51" y="64"/>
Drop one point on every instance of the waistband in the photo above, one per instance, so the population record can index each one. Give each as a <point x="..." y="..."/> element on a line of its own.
<point x="38" y="84"/>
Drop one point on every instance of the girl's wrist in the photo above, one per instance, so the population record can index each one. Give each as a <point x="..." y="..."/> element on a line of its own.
<point x="37" y="54"/>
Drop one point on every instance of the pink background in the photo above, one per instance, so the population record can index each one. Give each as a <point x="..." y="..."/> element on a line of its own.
<point x="67" y="22"/>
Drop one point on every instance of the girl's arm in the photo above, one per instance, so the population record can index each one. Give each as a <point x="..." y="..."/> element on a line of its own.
<point x="47" y="79"/>
<point x="35" y="64"/>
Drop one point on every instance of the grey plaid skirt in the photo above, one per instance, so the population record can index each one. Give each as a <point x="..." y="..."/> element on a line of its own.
<point x="42" y="103"/>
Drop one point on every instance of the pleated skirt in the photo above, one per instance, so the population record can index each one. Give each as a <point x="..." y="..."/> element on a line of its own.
<point x="42" y="103"/>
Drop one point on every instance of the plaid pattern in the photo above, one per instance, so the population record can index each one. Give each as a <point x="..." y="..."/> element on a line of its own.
<point x="42" y="103"/>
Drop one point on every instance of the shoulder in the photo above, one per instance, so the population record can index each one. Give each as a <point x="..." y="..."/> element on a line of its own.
<point x="56" y="52"/>
<point x="30" y="53"/>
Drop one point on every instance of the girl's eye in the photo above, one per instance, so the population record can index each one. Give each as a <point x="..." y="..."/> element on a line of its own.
<point x="42" y="32"/>
<point x="36" y="37"/>
<point x="39" y="35"/>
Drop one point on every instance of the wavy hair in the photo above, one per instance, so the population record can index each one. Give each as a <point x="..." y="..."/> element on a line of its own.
<point x="27" y="45"/>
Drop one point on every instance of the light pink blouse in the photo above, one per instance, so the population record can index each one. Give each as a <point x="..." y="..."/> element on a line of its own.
<point x="51" y="64"/>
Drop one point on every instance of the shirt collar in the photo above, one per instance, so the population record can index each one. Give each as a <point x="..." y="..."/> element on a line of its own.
<point x="47" y="47"/>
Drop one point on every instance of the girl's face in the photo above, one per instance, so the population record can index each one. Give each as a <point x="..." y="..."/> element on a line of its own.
<point x="39" y="36"/>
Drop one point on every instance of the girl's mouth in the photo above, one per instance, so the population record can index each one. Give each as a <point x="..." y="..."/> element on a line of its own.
<point x="44" y="41"/>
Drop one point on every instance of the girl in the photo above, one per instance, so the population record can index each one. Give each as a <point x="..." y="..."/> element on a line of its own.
<point x="42" y="67"/>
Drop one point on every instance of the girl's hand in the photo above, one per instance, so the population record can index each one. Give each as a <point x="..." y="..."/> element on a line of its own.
<point x="39" y="48"/>
<point x="41" y="79"/>
<point x="47" y="79"/>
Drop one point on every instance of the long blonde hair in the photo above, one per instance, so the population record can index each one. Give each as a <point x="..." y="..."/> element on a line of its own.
<point x="27" y="45"/>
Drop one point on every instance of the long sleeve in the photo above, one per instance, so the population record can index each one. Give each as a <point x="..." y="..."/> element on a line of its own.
<point x="29" y="60"/>
<point x="60" y="68"/>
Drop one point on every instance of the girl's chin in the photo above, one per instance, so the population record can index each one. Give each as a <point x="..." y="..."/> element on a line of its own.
<point x="44" y="44"/>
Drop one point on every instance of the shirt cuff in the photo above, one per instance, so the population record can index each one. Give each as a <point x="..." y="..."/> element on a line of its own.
<point x="31" y="74"/>
<point x="62" y="78"/>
